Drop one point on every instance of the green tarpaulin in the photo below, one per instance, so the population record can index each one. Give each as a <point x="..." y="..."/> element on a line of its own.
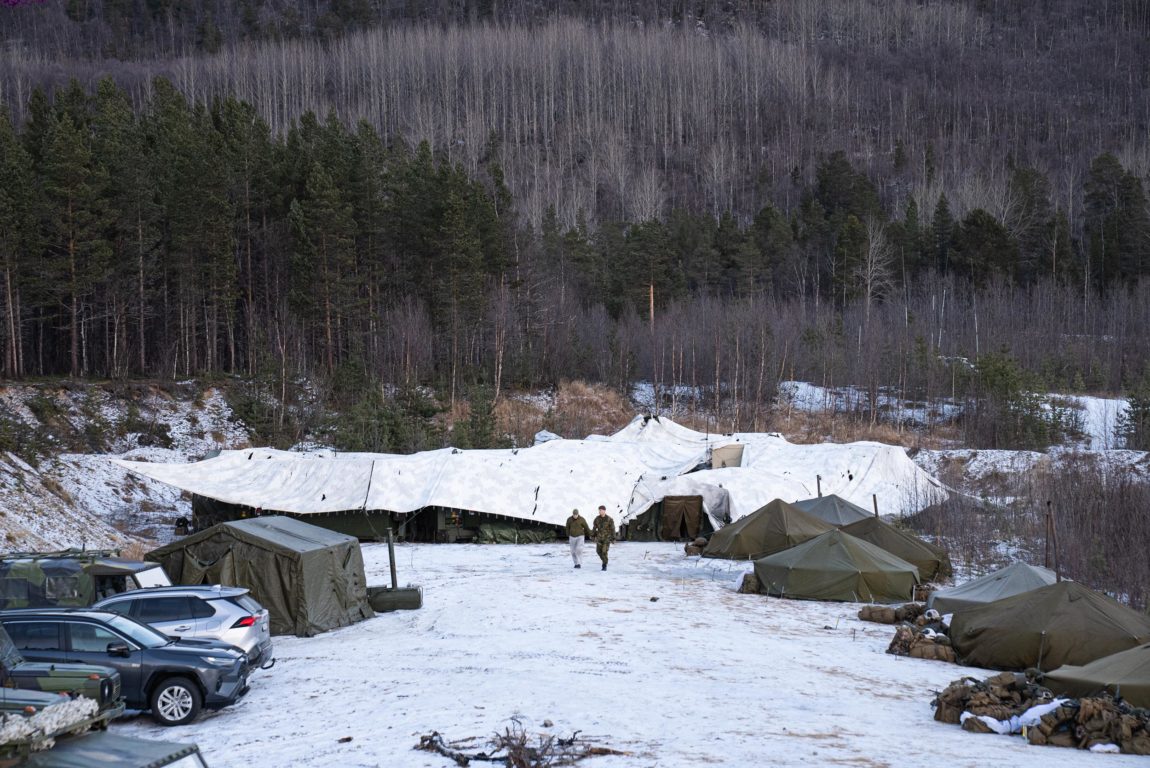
<point x="931" y="561"/>
<point x="1046" y="628"/>
<point x="837" y="566"/>
<point x="1125" y="674"/>
<point x="769" y="529"/>
<point x="833" y="509"/>
<point x="309" y="578"/>
<point x="1014" y="579"/>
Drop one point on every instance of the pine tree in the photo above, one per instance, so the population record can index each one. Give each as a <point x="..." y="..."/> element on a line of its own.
<point x="75" y="219"/>
<point x="18" y="200"/>
<point x="323" y="237"/>
<point x="942" y="234"/>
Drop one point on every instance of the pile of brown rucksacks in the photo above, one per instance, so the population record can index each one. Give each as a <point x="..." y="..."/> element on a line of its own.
<point x="919" y="633"/>
<point x="914" y="642"/>
<point x="889" y="614"/>
<point x="1080" y="723"/>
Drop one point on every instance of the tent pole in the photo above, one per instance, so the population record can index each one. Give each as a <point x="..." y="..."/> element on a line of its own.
<point x="874" y="500"/>
<point x="391" y="557"/>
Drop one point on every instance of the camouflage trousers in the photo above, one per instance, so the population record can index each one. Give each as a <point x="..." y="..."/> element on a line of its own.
<point x="601" y="548"/>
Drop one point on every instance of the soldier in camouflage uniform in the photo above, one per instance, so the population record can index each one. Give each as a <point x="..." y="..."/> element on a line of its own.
<point x="603" y="532"/>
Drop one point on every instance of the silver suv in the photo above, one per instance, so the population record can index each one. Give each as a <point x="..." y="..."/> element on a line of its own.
<point x="222" y="613"/>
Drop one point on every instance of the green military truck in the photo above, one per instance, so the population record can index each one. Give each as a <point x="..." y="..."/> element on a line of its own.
<point x="71" y="578"/>
<point x="108" y="750"/>
<point x="40" y="730"/>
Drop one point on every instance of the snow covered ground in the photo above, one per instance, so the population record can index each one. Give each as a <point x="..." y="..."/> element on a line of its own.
<point x="658" y="657"/>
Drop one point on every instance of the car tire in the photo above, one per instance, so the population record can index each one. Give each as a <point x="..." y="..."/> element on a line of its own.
<point x="175" y="701"/>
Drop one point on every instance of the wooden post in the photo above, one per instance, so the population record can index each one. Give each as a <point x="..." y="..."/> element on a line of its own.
<point x="391" y="557"/>
<point x="1053" y="538"/>
<point x="819" y="484"/>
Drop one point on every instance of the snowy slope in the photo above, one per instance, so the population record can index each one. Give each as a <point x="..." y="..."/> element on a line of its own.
<point x="702" y="676"/>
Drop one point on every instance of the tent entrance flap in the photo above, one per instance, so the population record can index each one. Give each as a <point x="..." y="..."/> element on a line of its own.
<point x="681" y="517"/>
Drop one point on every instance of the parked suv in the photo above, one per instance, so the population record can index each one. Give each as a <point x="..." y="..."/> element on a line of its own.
<point x="172" y="678"/>
<point x="101" y="682"/>
<point x="228" y="614"/>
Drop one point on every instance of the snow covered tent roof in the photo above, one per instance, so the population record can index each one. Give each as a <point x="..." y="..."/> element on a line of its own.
<point x="773" y="468"/>
<point x="542" y="483"/>
<point x="627" y="472"/>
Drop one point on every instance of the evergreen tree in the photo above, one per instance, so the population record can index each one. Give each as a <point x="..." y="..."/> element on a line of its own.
<point x="18" y="200"/>
<point x="982" y="246"/>
<point x="75" y="221"/>
<point x="323" y="238"/>
<point x="942" y="234"/>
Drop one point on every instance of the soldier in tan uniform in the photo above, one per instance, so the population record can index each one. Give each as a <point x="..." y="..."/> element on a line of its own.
<point x="603" y="532"/>
<point x="577" y="530"/>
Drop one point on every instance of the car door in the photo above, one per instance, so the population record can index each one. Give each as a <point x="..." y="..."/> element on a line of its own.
<point x="174" y="615"/>
<point x="92" y="643"/>
<point x="37" y="640"/>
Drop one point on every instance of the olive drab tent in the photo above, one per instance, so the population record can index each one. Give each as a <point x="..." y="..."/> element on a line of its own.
<point x="931" y="561"/>
<point x="1125" y="674"/>
<point x="1014" y="579"/>
<point x="309" y="578"/>
<point x="837" y="566"/>
<point x="769" y="529"/>
<point x="833" y="509"/>
<point x="1064" y="623"/>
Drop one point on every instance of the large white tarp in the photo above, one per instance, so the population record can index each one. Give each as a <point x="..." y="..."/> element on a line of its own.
<point x="773" y="468"/>
<point x="627" y="472"/>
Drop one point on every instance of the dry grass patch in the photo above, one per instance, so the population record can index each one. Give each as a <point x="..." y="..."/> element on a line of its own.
<point x="583" y="409"/>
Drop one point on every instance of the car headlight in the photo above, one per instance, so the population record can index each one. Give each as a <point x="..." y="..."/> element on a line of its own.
<point x="105" y="690"/>
<point x="220" y="661"/>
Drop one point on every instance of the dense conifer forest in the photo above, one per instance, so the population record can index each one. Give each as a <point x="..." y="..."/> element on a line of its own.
<point x="937" y="198"/>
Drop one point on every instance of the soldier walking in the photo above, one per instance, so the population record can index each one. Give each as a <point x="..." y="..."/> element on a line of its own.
<point x="577" y="530"/>
<point x="603" y="532"/>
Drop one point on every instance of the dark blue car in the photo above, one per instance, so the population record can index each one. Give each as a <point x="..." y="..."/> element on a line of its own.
<point x="174" y="679"/>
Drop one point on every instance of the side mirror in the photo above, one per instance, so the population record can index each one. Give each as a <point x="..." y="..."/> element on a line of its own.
<point x="118" y="649"/>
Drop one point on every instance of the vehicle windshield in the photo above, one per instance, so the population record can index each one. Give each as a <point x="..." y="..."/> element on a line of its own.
<point x="139" y="633"/>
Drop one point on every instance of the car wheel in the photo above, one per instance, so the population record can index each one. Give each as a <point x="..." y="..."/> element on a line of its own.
<point x="175" y="701"/>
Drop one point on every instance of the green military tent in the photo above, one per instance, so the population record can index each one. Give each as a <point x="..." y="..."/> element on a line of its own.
<point x="769" y="529"/>
<point x="309" y="578"/>
<point x="1125" y="674"/>
<point x="837" y="566"/>
<point x="931" y="561"/>
<point x="1064" y="623"/>
<point x="833" y="509"/>
<point x="1014" y="579"/>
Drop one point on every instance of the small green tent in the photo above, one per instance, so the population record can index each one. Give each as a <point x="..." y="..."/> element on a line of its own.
<point x="1125" y="674"/>
<point x="931" y="561"/>
<point x="769" y="529"/>
<point x="309" y="578"/>
<point x="833" y="509"/>
<point x="1064" y="623"/>
<point x="1014" y="579"/>
<point x="837" y="566"/>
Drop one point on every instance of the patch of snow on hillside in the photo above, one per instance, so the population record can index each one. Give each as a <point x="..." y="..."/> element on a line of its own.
<point x="811" y="398"/>
<point x="1100" y="418"/>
